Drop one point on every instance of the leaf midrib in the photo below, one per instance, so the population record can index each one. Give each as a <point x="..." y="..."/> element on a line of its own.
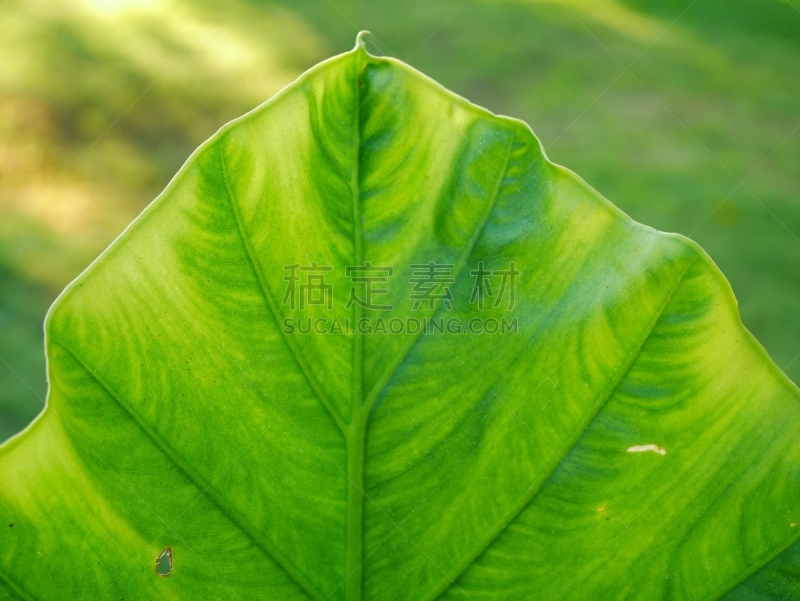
<point x="355" y="439"/>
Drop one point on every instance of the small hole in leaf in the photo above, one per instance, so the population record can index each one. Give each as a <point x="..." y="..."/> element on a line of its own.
<point x="164" y="563"/>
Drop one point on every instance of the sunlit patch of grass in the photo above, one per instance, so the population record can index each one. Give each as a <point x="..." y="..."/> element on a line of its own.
<point x="103" y="100"/>
<point x="615" y="16"/>
<point x="644" y="30"/>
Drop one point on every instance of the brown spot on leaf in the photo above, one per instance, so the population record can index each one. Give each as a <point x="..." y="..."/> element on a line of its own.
<point x="164" y="563"/>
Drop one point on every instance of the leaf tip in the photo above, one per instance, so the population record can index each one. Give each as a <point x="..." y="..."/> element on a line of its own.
<point x="361" y="43"/>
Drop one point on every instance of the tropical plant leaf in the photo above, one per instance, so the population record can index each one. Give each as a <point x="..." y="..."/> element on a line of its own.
<point x="624" y="438"/>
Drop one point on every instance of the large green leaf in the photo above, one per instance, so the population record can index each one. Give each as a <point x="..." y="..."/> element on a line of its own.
<point x="629" y="441"/>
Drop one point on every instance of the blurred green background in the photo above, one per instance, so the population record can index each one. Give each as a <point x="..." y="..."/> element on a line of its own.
<point x="682" y="113"/>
